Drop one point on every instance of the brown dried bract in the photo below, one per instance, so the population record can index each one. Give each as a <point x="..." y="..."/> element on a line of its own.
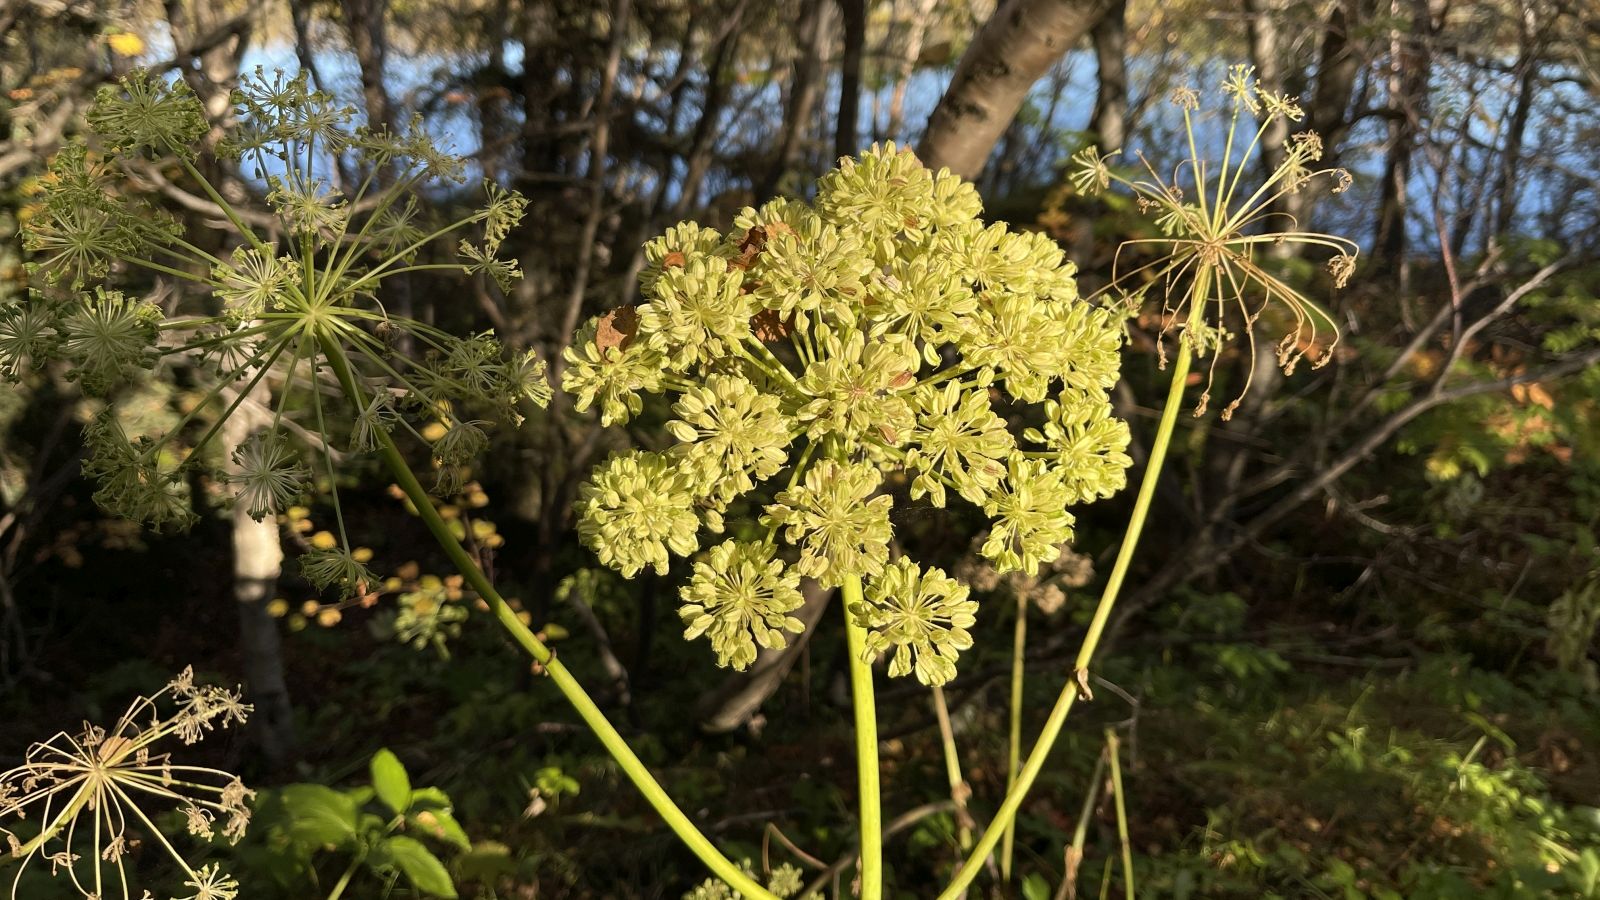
<point x="750" y="247"/>
<point x="674" y="260"/>
<point x="617" y="328"/>
<point x="769" y="326"/>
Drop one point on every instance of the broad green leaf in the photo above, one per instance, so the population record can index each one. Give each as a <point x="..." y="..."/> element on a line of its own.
<point x="321" y="815"/>
<point x="429" y="798"/>
<point x="440" y="824"/>
<point x="389" y="779"/>
<point x="426" y="873"/>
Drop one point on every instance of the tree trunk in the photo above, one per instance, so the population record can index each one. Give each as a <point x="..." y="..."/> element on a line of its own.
<point x="803" y="95"/>
<point x="1267" y="55"/>
<point x="1408" y="97"/>
<point x="1506" y="192"/>
<point x="916" y="33"/>
<point x="853" y="14"/>
<point x="1338" y="64"/>
<point x="1018" y="44"/>
<point x="364" y="19"/>
<point x="257" y="563"/>
<point x="1109" y="122"/>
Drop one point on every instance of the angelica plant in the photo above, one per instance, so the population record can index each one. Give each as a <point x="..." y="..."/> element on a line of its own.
<point x="1215" y="222"/>
<point x="818" y="353"/>
<point x="295" y="310"/>
<point x="1215" y="226"/>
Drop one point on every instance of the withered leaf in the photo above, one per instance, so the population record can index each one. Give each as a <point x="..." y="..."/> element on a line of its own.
<point x="769" y="325"/>
<point x="617" y="328"/>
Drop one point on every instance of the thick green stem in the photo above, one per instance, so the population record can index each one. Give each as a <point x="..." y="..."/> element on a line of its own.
<point x="1019" y="646"/>
<point x="614" y="743"/>
<point x="1119" y="571"/>
<point x="866" y="745"/>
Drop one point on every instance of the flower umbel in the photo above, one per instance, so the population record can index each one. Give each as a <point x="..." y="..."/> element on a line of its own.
<point x="1216" y="228"/>
<point x="922" y="616"/>
<point x="86" y="792"/>
<point x="822" y="362"/>
<point x="739" y="597"/>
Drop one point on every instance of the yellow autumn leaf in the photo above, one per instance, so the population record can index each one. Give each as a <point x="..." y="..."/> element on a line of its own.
<point x="125" y="43"/>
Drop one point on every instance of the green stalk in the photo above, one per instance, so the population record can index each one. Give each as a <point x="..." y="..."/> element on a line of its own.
<point x="866" y="744"/>
<point x="1080" y="834"/>
<point x="1119" y="571"/>
<point x="1019" y="645"/>
<point x="344" y="880"/>
<point x="959" y="791"/>
<point x="614" y="743"/>
<point x="1114" y="750"/>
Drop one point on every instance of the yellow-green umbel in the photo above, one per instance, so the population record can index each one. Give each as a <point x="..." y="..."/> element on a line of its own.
<point x="823" y="362"/>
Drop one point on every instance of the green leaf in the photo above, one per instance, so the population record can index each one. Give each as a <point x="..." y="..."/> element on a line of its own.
<point x="430" y="798"/>
<point x="391" y="782"/>
<point x="426" y="873"/>
<point x="440" y="824"/>
<point x="321" y="816"/>
<point x="1034" y="887"/>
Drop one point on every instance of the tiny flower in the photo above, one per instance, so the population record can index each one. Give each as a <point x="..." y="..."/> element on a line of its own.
<point x="698" y="312"/>
<point x="1090" y="445"/>
<point x="1090" y="171"/>
<point x="528" y="379"/>
<point x="635" y="510"/>
<point x="841" y="529"/>
<point x="674" y="249"/>
<point x="27" y="336"/>
<point x="269" y="476"/>
<point x="1014" y="337"/>
<point x="1030" y="516"/>
<point x="146" y="112"/>
<point x="307" y="208"/>
<point x="959" y="439"/>
<point x="738" y="597"/>
<point x="252" y="282"/>
<point x="733" y="434"/>
<point x="608" y="364"/>
<point x="860" y="390"/>
<point x="922" y="298"/>
<point x="337" y="568"/>
<point x="378" y="415"/>
<point x="922" y="616"/>
<point x="211" y="883"/>
<point x="109" y="337"/>
<point x="813" y="267"/>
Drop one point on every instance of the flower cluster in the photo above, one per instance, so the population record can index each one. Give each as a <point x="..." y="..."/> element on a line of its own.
<point x="85" y="790"/>
<point x="825" y="362"/>
<point x="293" y="312"/>
<point x="1213" y="231"/>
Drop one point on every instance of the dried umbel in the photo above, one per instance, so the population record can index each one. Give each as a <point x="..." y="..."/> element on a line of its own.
<point x="84" y="800"/>
<point x="292" y="312"/>
<point x="814" y="353"/>
<point x="1217" y="220"/>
